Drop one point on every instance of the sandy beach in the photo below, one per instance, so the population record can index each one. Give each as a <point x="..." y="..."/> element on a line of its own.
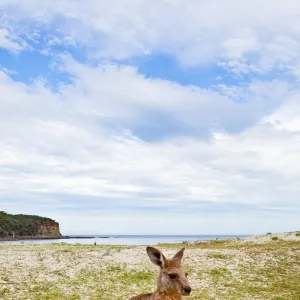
<point x="258" y="267"/>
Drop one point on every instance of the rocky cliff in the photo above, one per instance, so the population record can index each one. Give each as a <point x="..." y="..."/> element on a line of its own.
<point x="27" y="226"/>
<point x="49" y="229"/>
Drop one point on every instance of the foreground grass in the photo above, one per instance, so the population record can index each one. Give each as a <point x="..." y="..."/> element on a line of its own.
<point x="217" y="270"/>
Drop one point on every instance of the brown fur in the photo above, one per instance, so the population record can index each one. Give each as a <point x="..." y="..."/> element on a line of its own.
<point x="172" y="281"/>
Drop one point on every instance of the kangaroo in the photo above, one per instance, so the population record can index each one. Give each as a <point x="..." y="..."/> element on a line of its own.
<point x="172" y="281"/>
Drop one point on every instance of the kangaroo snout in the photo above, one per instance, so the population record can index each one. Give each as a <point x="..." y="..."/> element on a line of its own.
<point x="187" y="290"/>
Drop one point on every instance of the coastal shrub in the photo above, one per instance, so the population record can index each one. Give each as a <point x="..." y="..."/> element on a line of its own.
<point x="217" y="255"/>
<point x="20" y="225"/>
<point x="220" y="272"/>
<point x="274" y="238"/>
<point x="298" y="234"/>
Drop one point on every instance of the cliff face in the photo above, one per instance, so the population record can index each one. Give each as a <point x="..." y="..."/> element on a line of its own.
<point x="27" y="226"/>
<point x="49" y="229"/>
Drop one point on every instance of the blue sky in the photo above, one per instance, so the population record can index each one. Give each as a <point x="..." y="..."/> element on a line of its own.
<point x="183" y="116"/>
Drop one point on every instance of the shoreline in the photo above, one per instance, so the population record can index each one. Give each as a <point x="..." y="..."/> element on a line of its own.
<point x="29" y="238"/>
<point x="294" y="235"/>
<point x="120" y="237"/>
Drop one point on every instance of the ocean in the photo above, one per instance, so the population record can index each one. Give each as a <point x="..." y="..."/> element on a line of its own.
<point x="127" y="239"/>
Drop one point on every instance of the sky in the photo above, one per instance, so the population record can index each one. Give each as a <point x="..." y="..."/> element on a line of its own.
<point x="151" y="117"/>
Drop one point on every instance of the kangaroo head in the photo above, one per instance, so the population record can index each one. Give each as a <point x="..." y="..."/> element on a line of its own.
<point x="172" y="277"/>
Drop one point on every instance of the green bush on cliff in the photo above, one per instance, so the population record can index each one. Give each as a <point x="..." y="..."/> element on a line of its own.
<point x="19" y="225"/>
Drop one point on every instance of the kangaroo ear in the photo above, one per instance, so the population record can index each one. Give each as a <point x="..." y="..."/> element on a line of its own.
<point x="178" y="256"/>
<point x="156" y="256"/>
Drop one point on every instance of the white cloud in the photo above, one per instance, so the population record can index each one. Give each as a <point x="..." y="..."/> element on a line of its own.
<point x="287" y="116"/>
<point x="109" y="87"/>
<point x="77" y="141"/>
<point x="85" y="148"/>
<point x="7" y="42"/>
<point x="236" y="33"/>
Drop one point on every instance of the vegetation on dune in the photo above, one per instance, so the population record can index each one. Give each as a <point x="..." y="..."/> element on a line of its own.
<point x="20" y="225"/>
<point x="226" y="270"/>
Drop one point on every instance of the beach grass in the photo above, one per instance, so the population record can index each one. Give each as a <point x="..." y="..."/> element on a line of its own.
<point x="219" y="269"/>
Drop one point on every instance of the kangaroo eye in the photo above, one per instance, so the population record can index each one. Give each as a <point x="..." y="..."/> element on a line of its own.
<point x="173" y="276"/>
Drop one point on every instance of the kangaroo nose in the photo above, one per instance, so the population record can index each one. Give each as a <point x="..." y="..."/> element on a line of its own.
<point x="187" y="290"/>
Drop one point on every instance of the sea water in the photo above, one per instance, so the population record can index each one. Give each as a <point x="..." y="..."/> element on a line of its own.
<point x="127" y="239"/>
